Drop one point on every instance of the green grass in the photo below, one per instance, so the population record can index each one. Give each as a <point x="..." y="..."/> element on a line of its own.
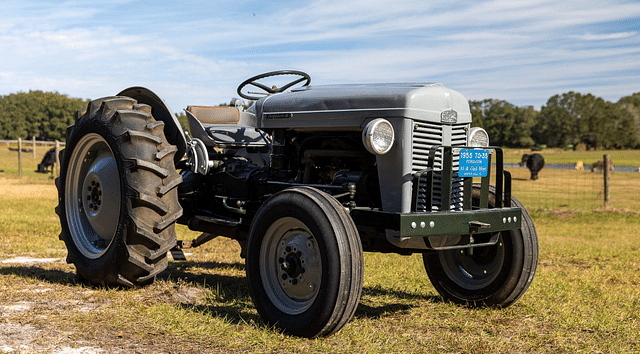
<point x="585" y="297"/>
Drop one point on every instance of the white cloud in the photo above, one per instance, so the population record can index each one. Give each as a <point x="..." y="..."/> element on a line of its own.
<point x="607" y="36"/>
<point x="197" y="53"/>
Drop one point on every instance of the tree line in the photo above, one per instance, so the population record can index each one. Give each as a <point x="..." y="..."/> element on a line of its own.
<point x="45" y="115"/>
<point x="567" y="120"/>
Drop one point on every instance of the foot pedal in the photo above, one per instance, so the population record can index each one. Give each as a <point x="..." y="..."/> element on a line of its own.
<point x="177" y="254"/>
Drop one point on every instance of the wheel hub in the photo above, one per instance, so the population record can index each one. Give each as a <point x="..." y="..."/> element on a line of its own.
<point x="295" y="252"/>
<point x="291" y="265"/>
<point x="101" y="187"/>
<point x="93" y="193"/>
<point x="474" y="271"/>
<point x="93" y="181"/>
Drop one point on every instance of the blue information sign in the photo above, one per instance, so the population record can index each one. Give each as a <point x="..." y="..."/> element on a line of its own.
<point x="474" y="163"/>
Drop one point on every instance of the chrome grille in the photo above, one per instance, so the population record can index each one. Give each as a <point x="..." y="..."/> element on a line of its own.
<point x="426" y="135"/>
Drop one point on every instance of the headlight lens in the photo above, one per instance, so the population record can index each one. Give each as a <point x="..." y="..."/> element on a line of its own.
<point x="378" y="136"/>
<point x="477" y="137"/>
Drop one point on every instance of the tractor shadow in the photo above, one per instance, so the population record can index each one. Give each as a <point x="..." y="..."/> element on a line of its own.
<point x="230" y="297"/>
<point x="227" y="296"/>
<point x="402" y="303"/>
<point x="33" y="272"/>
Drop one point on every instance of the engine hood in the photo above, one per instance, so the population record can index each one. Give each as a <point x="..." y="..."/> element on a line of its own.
<point x="341" y="104"/>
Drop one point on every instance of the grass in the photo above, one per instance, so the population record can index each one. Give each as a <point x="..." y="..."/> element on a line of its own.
<point x="585" y="297"/>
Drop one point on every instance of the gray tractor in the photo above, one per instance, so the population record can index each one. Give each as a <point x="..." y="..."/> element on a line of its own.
<point x="306" y="180"/>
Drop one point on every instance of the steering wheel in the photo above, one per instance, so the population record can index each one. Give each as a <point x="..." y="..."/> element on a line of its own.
<point x="271" y="90"/>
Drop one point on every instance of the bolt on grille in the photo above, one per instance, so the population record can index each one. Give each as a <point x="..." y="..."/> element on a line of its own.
<point x="426" y="135"/>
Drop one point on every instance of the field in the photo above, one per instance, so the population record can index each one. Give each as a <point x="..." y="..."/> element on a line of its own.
<point x="585" y="297"/>
<point x="626" y="158"/>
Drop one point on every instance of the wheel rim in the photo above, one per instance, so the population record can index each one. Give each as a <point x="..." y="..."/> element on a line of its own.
<point x="290" y="265"/>
<point x="474" y="271"/>
<point x="92" y="191"/>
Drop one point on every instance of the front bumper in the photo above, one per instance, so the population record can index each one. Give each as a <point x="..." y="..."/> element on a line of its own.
<point x="441" y="230"/>
<point x="441" y="223"/>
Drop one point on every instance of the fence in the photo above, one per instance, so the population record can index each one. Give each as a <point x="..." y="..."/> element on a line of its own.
<point x="26" y="148"/>
<point x="568" y="188"/>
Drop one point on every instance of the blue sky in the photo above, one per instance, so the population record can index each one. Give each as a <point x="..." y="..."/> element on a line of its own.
<point x="197" y="52"/>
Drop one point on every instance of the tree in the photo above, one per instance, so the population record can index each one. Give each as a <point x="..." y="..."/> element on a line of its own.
<point x="616" y="128"/>
<point x="506" y="124"/>
<point x="632" y="105"/>
<point x="45" y="115"/>
<point x="576" y="119"/>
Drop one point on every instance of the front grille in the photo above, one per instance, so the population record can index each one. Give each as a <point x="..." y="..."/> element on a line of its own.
<point x="426" y="135"/>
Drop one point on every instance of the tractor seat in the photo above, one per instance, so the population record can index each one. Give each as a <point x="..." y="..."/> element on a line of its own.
<point x="215" y="115"/>
<point x="223" y="127"/>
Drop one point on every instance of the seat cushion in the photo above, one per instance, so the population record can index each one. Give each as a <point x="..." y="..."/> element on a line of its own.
<point x="215" y="115"/>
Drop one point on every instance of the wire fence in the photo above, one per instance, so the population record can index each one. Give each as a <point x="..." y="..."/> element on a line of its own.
<point x="560" y="187"/>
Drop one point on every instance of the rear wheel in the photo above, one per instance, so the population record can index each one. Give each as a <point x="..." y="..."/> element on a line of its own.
<point x="489" y="276"/>
<point x="304" y="263"/>
<point x="117" y="194"/>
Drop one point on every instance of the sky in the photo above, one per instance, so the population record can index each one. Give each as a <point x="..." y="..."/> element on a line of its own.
<point x="197" y="52"/>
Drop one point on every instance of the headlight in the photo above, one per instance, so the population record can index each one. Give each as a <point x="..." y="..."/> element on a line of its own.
<point x="378" y="136"/>
<point x="477" y="137"/>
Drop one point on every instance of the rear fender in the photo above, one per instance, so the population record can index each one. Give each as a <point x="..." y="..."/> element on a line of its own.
<point x="172" y="128"/>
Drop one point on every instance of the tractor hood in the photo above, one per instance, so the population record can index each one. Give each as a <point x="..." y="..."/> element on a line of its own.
<point x="348" y="105"/>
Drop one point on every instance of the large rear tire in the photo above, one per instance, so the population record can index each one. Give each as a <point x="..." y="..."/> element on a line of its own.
<point x="494" y="276"/>
<point x="304" y="263"/>
<point x="117" y="194"/>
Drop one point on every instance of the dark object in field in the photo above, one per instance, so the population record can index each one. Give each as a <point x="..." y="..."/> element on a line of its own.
<point x="599" y="165"/>
<point x="23" y="149"/>
<point x="534" y="162"/>
<point x="48" y="160"/>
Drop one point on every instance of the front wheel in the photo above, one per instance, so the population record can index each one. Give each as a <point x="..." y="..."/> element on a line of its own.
<point x="304" y="263"/>
<point x="493" y="276"/>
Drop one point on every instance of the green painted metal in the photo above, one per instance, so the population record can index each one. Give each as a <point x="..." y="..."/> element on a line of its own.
<point x="441" y="223"/>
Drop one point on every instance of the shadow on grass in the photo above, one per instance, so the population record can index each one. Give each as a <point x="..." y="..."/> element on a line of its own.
<point x="229" y="298"/>
<point x="192" y="272"/>
<point x="232" y="313"/>
<point x="181" y="265"/>
<point x="52" y="276"/>
<point x="403" y="302"/>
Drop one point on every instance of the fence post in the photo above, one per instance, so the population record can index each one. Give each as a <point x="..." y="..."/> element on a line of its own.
<point x="20" y="157"/>
<point x="606" y="159"/>
<point x="57" y="158"/>
<point x="33" y="140"/>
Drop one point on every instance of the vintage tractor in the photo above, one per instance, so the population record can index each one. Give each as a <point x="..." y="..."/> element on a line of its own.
<point x="306" y="179"/>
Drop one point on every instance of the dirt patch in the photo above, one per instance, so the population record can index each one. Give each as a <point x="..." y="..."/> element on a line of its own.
<point x="30" y="260"/>
<point x="25" y="338"/>
<point x="33" y="317"/>
<point x="16" y="337"/>
<point x="563" y="213"/>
